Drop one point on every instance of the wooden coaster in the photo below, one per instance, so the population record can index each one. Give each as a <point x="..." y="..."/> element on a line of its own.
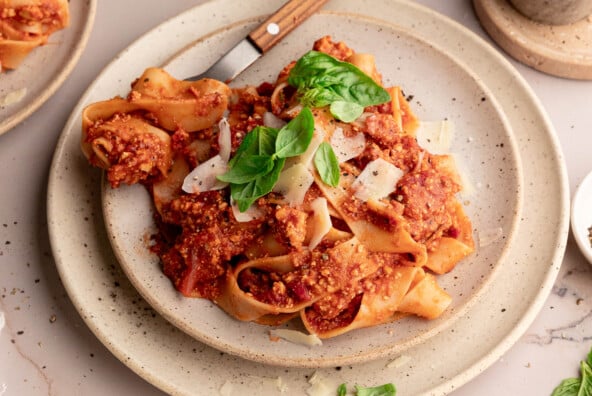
<point x="560" y="50"/>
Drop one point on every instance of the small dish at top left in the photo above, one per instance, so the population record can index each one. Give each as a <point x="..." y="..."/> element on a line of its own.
<point x="46" y="68"/>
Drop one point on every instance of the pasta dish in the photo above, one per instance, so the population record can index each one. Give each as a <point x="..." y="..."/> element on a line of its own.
<point x="27" y="24"/>
<point x="306" y="197"/>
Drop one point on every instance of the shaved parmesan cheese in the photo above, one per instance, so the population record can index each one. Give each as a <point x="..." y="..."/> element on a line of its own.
<point x="435" y="136"/>
<point x="399" y="362"/>
<point x="320" y="386"/>
<point x="378" y="179"/>
<point x="13" y="97"/>
<point x="224" y="139"/>
<point x="272" y="121"/>
<point x="265" y="383"/>
<point x="226" y="389"/>
<point x="468" y="188"/>
<point x="321" y="221"/>
<point x="252" y="213"/>
<point x="2" y="321"/>
<point x="489" y="236"/>
<point x="346" y="148"/>
<point x="203" y="177"/>
<point x="294" y="182"/>
<point x="297" y="337"/>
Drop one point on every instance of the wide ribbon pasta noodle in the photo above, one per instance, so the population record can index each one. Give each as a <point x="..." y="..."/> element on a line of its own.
<point x="130" y="136"/>
<point x="358" y="253"/>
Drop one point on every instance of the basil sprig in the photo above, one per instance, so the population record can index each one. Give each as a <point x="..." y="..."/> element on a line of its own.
<point x="322" y="80"/>
<point x="257" y="163"/>
<point x="577" y="386"/>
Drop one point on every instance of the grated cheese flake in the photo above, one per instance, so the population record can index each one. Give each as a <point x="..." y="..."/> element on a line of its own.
<point x="226" y="389"/>
<point x="489" y="236"/>
<point x="435" y="136"/>
<point x="272" y="121"/>
<point x="378" y="179"/>
<point x="294" y="182"/>
<point x="252" y="213"/>
<point x="296" y="337"/>
<point x="203" y="177"/>
<point x="399" y="361"/>
<point x="13" y="97"/>
<point x="345" y="147"/>
<point x="320" y="386"/>
<point x="224" y="139"/>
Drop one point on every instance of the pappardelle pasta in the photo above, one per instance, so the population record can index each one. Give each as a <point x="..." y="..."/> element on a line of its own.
<point x="305" y="197"/>
<point x="26" y="25"/>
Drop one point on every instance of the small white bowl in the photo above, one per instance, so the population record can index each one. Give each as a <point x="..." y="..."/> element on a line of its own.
<point x="581" y="216"/>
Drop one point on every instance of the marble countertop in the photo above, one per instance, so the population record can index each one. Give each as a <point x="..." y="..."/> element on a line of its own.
<point x="46" y="348"/>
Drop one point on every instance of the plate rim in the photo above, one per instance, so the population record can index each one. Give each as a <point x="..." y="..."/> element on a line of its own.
<point x="68" y="66"/>
<point x="504" y="343"/>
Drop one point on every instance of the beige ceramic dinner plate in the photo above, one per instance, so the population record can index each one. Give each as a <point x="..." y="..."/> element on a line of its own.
<point x="441" y="89"/>
<point x="452" y="74"/>
<point x="45" y="69"/>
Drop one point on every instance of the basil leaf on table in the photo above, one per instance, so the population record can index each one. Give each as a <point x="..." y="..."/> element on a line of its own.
<point x="327" y="165"/>
<point x="577" y="386"/>
<point x="321" y="80"/>
<point x="586" y="386"/>
<point x="381" y="390"/>
<point x="568" y="387"/>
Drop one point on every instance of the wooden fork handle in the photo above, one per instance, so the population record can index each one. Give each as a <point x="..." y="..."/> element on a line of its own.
<point x="282" y="22"/>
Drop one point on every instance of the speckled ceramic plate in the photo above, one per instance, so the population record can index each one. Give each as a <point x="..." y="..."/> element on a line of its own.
<point x="492" y="318"/>
<point x="46" y="67"/>
<point x="483" y="142"/>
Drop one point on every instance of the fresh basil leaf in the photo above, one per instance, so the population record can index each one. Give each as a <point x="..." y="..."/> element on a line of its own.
<point x="258" y="161"/>
<point x="321" y="80"/>
<point x="568" y="387"/>
<point x="266" y="140"/>
<point x="586" y="386"/>
<point x="346" y="111"/>
<point x="247" y="168"/>
<point x="318" y="97"/>
<point x="341" y="390"/>
<point x="294" y="137"/>
<point x="577" y="386"/>
<point x="246" y="193"/>
<point x="260" y="141"/>
<point x="381" y="390"/>
<point x="327" y="165"/>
